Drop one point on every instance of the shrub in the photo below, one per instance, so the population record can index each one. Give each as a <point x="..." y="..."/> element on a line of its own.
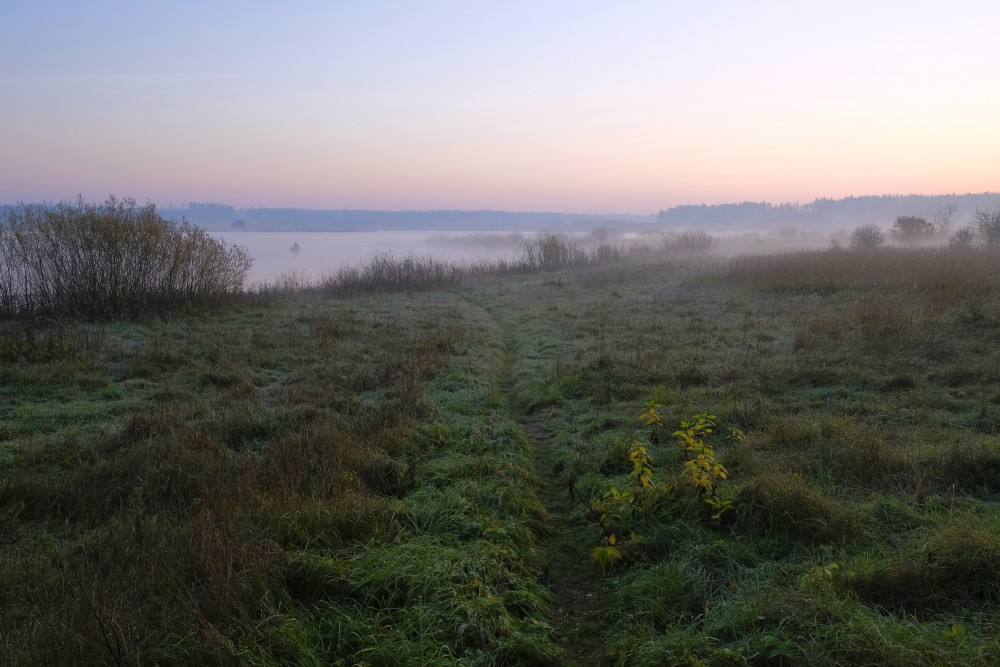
<point x="386" y="272"/>
<point x="784" y="505"/>
<point x="956" y="565"/>
<point x="551" y="251"/>
<point x="110" y="258"/>
<point x="867" y="236"/>
<point x="908" y="228"/>
<point x="691" y="242"/>
<point x="963" y="238"/>
<point x="988" y="221"/>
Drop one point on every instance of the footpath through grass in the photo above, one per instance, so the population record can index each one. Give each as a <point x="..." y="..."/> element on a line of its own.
<point x="574" y="583"/>
<point x="421" y="478"/>
<point x="864" y="525"/>
<point x="310" y="482"/>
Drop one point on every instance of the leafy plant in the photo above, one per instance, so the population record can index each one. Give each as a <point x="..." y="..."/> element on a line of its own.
<point x="701" y="469"/>
<point x="617" y="510"/>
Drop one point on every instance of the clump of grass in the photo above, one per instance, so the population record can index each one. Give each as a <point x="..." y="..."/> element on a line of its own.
<point x="664" y="595"/>
<point x="970" y="464"/>
<point x="956" y="567"/>
<point x="424" y="601"/>
<point x="21" y="341"/>
<point x="785" y="505"/>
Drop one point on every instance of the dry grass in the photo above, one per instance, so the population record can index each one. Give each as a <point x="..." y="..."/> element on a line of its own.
<point x="946" y="273"/>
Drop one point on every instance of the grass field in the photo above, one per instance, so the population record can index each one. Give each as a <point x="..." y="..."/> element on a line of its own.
<point x="417" y="477"/>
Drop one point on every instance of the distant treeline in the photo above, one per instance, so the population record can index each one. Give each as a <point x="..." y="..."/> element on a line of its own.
<point x="822" y="213"/>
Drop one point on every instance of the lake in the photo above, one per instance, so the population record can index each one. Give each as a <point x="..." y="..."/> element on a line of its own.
<point x="321" y="251"/>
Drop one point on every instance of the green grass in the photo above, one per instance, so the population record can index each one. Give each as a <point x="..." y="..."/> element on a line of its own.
<point x="304" y="483"/>
<point x="869" y="431"/>
<point x="404" y="478"/>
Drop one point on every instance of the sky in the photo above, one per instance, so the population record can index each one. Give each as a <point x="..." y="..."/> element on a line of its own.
<point x="583" y="106"/>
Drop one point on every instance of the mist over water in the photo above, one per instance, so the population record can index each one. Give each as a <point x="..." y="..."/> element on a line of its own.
<point x="320" y="252"/>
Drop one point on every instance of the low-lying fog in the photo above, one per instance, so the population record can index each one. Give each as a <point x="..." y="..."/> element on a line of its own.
<point x="313" y="254"/>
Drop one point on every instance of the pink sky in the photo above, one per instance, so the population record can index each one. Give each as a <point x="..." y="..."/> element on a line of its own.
<point x="577" y="106"/>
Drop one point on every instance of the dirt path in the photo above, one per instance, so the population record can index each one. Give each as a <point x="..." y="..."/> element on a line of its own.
<point x="568" y="573"/>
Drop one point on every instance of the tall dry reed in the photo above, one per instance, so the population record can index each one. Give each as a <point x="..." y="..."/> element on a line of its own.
<point x="947" y="272"/>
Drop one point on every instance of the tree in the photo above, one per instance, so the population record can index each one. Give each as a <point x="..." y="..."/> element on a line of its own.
<point x="943" y="217"/>
<point x="909" y="228"/>
<point x="988" y="221"/>
<point x="867" y="236"/>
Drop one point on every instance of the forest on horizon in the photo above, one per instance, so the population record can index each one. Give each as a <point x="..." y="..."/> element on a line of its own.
<point x="824" y="214"/>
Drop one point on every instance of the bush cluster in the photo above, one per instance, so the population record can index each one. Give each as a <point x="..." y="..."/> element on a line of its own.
<point x="910" y="228"/>
<point x="867" y="236"/>
<point x="108" y="259"/>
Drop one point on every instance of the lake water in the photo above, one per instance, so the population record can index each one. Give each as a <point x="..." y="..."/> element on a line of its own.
<point x="322" y="251"/>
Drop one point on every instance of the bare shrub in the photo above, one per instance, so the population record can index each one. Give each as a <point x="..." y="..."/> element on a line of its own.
<point x="111" y="258"/>
<point x="867" y="236"/>
<point x="387" y="272"/>
<point x="988" y="222"/>
<point x="550" y="251"/>
<point x="963" y="238"/>
<point x="688" y="243"/>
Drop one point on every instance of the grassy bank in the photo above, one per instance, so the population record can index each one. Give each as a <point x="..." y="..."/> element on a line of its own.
<point x="414" y="475"/>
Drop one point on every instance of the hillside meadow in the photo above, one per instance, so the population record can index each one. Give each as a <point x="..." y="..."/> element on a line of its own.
<point x="453" y="471"/>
